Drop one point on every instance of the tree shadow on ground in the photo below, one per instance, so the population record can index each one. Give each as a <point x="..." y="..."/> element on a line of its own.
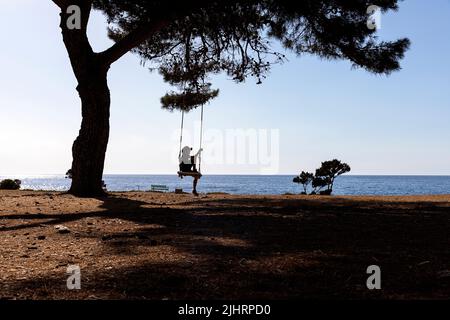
<point x="265" y="248"/>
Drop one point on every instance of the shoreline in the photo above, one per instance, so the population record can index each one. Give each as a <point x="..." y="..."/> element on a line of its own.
<point x="265" y="185"/>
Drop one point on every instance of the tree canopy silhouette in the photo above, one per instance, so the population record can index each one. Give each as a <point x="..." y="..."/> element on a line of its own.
<point x="328" y="172"/>
<point x="186" y="41"/>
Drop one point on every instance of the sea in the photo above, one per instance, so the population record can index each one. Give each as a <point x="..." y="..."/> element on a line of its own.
<point x="255" y="184"/>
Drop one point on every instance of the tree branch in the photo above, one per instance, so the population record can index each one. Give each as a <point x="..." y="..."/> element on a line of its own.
<point x="131" y="41"/>
<point x="60" y="3"/>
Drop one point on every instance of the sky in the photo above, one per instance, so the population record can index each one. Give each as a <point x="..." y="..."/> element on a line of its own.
<point x="307" y="111"/>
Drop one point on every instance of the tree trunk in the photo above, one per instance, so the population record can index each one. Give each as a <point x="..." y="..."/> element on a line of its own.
<point x="90" y="70"/>
<point x="89" y="148"/>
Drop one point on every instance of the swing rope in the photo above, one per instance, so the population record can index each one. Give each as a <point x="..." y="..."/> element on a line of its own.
<point x="181" y="131"/>
<point x="201" y="141"/>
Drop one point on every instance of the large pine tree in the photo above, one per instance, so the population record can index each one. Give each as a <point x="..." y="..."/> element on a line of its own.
<point x="189" y="40"/>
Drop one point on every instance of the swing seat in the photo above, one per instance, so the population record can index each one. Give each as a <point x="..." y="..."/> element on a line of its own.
<point x="193" y="174"/>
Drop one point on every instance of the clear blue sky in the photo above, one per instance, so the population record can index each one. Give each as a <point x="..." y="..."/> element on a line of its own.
<point x="379" y="125"/>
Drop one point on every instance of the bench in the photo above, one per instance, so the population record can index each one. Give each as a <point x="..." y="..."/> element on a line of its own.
<point x="159" y="188"/>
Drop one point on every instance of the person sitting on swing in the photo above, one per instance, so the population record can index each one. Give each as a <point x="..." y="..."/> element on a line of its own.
<point x="188" y="162"/>
<point x="188" y="165"/>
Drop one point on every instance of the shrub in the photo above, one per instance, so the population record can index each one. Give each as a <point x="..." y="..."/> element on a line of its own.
<point x="9" y="184"/>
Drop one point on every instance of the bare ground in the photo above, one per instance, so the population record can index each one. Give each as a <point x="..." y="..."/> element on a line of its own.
<point x="167" y="246"/>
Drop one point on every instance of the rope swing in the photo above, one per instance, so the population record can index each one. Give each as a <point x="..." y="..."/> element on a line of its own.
<point x="192" y="174"/>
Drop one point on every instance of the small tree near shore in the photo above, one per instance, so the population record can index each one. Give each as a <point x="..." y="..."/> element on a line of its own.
<point x="327" y="174"/>
<point x="305" y="178"/>
<point x="324" y="177"/>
